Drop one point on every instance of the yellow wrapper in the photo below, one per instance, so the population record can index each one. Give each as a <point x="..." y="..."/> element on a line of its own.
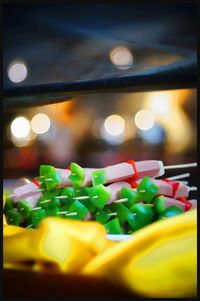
<point x="160" y="260"/>
<point x="59" y="244"/>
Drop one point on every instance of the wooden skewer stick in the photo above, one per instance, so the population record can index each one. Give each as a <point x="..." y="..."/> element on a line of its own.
<point x="29" y="225"/>
<point x="121" y="200"/>
<point x="142" y="190"/>
<point x="134" y="214"/>
<point x="61" y="197"/>
<point x="62" y="212"/>
<point x="45" y="201"/>
<point x="84" y="197"/>
<point x="181" y="165"/>
<point x="183" y="182"/>
<point x="184" y="175"/>
<point x="39" y="189"/>
<point x="149" y="205"/>
<point x="192" y="188"/>
<point x="48" y="179"/>
<point x="72" y="213"/>
<point x="73" y="174"/>
<point x="112" y="214"/>
<point x="36" y="208"/>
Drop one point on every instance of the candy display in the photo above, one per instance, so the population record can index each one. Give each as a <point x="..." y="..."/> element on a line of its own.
<point x="124" y="197"/>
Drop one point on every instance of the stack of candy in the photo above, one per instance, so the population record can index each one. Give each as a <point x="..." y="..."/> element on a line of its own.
<point x="123" y="197"/>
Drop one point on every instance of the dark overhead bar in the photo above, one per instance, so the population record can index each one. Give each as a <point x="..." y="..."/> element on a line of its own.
<point x="178" y="75"/>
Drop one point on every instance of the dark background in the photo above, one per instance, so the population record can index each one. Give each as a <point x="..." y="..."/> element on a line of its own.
<point x="72" y="41"/>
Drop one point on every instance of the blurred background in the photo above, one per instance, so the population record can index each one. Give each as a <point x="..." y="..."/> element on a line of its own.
<point x="75" y="41"/>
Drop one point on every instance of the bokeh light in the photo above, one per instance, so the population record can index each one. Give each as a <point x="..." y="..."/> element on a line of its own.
<point x="144" y="120"/>
<point x="155" y="135"/>
<point x="17" y="72"/>
<point x="121" y="57"/>
<point x="40" y="123"/>
<point x="111" y="139"/>
<point x="20" y="127"/>
<point x="160" y="103"/>
<point x="114" y="125"/>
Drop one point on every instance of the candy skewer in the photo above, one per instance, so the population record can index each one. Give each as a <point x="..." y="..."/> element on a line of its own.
<point x="181" y="165"/>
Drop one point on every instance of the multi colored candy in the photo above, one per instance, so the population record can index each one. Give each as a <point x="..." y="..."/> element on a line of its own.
<point x="123" y="197"/>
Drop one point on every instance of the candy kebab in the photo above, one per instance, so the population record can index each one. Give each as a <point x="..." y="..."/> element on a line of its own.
<point x="51" y="177"/>
<point x="100" y="195"/>
<point x="121" y="171"/>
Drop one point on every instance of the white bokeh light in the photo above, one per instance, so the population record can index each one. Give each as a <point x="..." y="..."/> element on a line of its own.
<point x="40" y="123"/>
<point x="17" y="72"/>
<point x="121" y="57"/>
<point x="144" y="120"/>
<point x="114" y="125"/>
<point x="20" y="127"/>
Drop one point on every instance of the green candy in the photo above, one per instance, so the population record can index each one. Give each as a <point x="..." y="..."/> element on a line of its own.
<point x="79" y="190"/>
<point x="159" y="204"/>
<point x="132" y="196"/>
<point x="99" y="177"/>
<point x="40" y="203"/>
<point x="24" y="208"/>
<point x="113" y="226"/>
<point x="8" y="205"/>
<point x="170" y="211"/>
<point x="50" y="195"/>
<point x="122" y="212"/>
<point x="44" y="169"/>
<point x="139" y="216"/>
<point x="52" y="211"/>
<point x="147" y="189"/>
<point x="37" y="216"/>
<point x="13" y="218"/>
<point x="43" y="187"/>
<point x="69" y="193"/>
<point x="52" y="179"/>
<point x="88" y="204"/>
<point x="78" y="208"/>
<point x="99" y="195"/>
<point x="77" y="173"/>
<point x="102" y="215"/>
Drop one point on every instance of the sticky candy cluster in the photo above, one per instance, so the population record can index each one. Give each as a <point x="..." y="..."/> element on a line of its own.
<point x="136" y="207"/>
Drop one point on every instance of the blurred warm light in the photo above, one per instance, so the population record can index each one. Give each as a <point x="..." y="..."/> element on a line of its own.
<point x="111" y="139"/>
<point x="48" y="136"/>
<point x="155" y="135"/>
<point x="114" y="125"/>
<point x="169" y="114"/>
<point x="40" y="123"/>
<point x="144" y="119"/>
<point x="20" y="142"/>
<point x="20" y="127"/>
<point x="121" y="57"/>
<point x="17" y="71"/>
<point x="160" y="103"/>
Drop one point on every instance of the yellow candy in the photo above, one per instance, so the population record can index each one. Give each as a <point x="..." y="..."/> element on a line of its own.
<point x="4" y="200"/>
<point x="67" y="245"/>
<point x="160" y="260"/>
